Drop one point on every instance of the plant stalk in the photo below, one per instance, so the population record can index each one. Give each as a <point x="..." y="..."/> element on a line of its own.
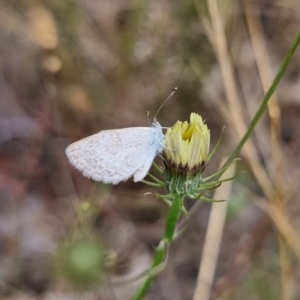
<point x="162" y="248"/>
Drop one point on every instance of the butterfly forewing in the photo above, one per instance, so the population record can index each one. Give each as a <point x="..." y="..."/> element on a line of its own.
<point x="112" y="156"/>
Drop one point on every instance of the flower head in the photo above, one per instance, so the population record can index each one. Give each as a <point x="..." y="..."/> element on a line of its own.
<point x="186" y="148"/>
<point x="81" y="260"/>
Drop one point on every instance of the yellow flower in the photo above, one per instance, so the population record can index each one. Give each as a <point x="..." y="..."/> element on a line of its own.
<point x="186" y="149"/>
<point x="187" y="144"/>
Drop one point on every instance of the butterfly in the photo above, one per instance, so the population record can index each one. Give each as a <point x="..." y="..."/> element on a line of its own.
<point x="112" y="156"/>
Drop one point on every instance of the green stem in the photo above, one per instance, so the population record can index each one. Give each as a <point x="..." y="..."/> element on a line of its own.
<point x="158" y="259"/>
<point x="172" y="218"/>
<point x="160" y="251"/>
<point x="264" y="104"/>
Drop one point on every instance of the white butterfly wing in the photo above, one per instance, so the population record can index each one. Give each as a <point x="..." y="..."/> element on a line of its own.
<point x="112" y="156"/>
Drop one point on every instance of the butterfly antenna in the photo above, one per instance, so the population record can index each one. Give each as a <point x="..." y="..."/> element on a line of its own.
<point x="173" y="92"/>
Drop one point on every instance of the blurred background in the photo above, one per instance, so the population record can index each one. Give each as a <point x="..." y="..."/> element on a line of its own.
<point x="71" y="68"/>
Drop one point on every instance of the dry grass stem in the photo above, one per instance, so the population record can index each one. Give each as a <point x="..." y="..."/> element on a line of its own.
<point x="283" y="224"/>
<point x="265" y="73"/>
<point x="272" y="188"/>
<point x="234" y="105"/>
<point x="266" y="76"/>
<point x="213" y="239"/>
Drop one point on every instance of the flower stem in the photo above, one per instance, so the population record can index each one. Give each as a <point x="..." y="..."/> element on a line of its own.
<point x="172" y="218"/>
<point x="162" y="248"/>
